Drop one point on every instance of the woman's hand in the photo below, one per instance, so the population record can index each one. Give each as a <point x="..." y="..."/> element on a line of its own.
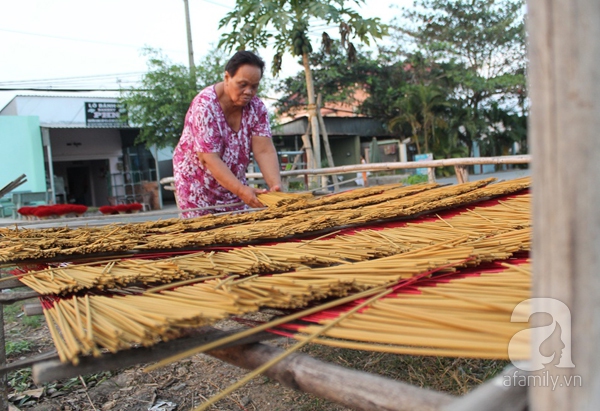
<point x="225" y="177"/>
<point x="248" y="196"/>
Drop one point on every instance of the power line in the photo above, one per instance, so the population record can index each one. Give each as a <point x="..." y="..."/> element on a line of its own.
<point x="68" y="38"/>
<point x="79" y="39"/>
<point x="62" y="90"/>
<point x="74" y="78"/>
<point x="218" y="4"/>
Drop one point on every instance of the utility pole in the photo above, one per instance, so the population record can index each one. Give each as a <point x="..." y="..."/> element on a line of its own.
<point x="189" y="41"/>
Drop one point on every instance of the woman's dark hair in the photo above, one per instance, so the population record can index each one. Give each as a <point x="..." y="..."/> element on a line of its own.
<point x="244" y="57"/>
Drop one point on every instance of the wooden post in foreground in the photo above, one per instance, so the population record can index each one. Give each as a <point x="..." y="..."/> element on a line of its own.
<point x="564" y="84"/>
<point x="3" y="377"/>
<point x="351" y="388"/>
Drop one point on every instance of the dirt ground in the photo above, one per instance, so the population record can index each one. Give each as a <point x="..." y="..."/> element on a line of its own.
<point x="188" y="383"/>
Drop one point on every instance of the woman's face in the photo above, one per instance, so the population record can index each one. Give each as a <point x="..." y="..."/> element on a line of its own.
<point x="243" y="85"/>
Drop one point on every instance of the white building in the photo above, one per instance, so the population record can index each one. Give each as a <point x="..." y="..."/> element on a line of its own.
<point x="85" y="142"/>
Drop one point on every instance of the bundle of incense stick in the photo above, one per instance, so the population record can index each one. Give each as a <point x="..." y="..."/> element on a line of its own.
<point x="23" y="244"/>
<point x="457" y="315"/>
<point x="311" y="220"/>
<point x="407" y="201"/>
<point x="83" y="325"/>
<point x="472" y="223"/>
<point x="278" y="199"/>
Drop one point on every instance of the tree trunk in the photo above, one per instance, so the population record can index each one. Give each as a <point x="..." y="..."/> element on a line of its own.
<point x="326" y="143"/>
<point x="416" y="140"/>
<point x="312" y="115"/>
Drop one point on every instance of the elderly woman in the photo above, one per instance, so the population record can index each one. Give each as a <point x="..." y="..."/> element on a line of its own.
<point x="224" y="124"/>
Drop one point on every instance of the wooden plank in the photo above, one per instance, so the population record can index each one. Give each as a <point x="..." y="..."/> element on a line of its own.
<point x="10" y="282"/>
<point x="564" y="84"/>
<point x="28" y="362"/>
<point x="9" y="298"/>
<point x="47" y="371"/>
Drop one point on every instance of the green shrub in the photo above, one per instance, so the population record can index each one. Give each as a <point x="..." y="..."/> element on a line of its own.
<point x="20" y="380"/>
<point x="32" y="322"/>
<point x="415" y="179"/>
<point x="17" y="347"/>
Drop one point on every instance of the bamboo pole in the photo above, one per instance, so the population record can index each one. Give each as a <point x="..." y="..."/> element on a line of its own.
<point x="518" y="159"/>
<point x="467" y="161"/>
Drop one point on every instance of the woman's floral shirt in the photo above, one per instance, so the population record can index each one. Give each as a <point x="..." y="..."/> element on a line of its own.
<point x="206" y="131"/>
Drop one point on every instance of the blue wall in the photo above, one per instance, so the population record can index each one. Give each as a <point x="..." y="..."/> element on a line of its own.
<point x="21" y="152"/>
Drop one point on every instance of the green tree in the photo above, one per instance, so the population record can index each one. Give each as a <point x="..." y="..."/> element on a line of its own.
<point x="482" y="45"/>
<point x="159" y="105"/>
<point x="504" y="130"/>
<point x="285" y="26"/>
<point x="334" y="76"/>
<point x="422" y="107"/>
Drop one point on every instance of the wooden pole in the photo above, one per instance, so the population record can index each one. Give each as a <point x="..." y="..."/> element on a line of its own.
<point x="188" y="30"/>
<point x="355" y="389"/>
<point x="312" y="114"/>
<point x="462" y="174"/>
<point x="13" y="297"/>
<point x="310" y="159"/>
<point x="564" y="84"/>
<point x="519" y="159"/>
<point x="431" y="175"/>
<point x="336" y="186"/>
<point x="3" y="377"/>
<point x="12" y="185"/>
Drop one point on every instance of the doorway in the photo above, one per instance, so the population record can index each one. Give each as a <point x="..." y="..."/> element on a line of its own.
<point x="79" y="190"/>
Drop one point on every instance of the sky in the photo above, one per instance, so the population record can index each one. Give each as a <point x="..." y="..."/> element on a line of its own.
<point x="85" y="43"/>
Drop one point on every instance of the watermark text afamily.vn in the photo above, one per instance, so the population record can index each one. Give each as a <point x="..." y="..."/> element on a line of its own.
<point x="543" y="379"/>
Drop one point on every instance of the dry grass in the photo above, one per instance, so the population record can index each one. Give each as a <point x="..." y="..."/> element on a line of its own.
<point x="451" y="375"/>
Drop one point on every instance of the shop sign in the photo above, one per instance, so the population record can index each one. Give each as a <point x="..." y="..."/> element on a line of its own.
<point x="103" y="114"/>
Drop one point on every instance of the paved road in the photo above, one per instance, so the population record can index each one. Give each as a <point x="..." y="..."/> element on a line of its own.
<point x="169" y="211"/>
<point x="500" y="175"/>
